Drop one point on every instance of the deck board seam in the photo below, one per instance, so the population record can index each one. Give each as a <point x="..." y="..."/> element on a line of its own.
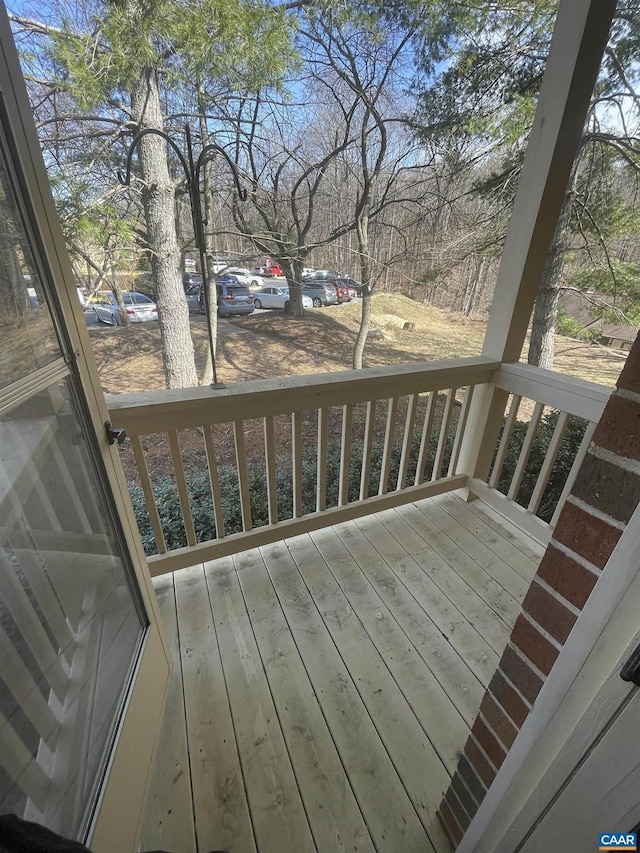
<point x="231" y="715"/>
<point x="362" y="699"/>
<point x="273" y="698"/>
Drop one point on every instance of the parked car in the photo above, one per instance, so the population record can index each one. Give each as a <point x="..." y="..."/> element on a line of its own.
<point x="139" y="308"/>
<point x="232" y="297"/>
<point x="272" y="270"/>
<point x="191" y="278"/>
<point x="245" y="276"/>
<point x="345" y="294"/>
<point x="276" y="297"/>
<point x="321" y="293"/>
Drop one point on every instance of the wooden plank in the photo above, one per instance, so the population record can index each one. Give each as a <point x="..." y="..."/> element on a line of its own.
<point x="184" y="408"/>
<point x="525" y="452"/>
<point x="425" y="440"/>
<point x="460" y="429"/>
<point x="505" y="439"/>
<point x="220" y="806"/>
<point x="369" y="429"/>
<point x="321" y="470"/>
<point x="243" y="475"/>
<point x="485" y="603"/>
<point x="182" y="558"/>
<point x="549" y="461"/>
<point x="529" y="524"/>
<point x="418" y="766"/>
<point x="499" y="538"/>
<point x="345" y="454"/>
<point x="455" y="625"/>
<point x="389" y="434"/>
<point x="168" y="820"/>
<point x="332" y="810"/>
<point x="181" y="483"/>
<point x="296" y="462"/>
<point x="214" y="479"/>
<point x="452" y="672"/>
<point x="476" y="552"/>
<point x="270" y="467"/>
<point x="152" y="507"/>
<point x="444" y="433"/>
<point x="438" y="716"/>
<point x="277" y="813"/>
<point x="387" y="810"/>
<point x="407" y="441"/>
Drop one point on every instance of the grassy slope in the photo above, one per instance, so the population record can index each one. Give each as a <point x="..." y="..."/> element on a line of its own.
<point x="269" y="345"/>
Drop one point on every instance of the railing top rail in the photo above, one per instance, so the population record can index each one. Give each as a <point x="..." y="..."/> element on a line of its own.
<point x="184" y="408"/>
<point x="566" y="393"/>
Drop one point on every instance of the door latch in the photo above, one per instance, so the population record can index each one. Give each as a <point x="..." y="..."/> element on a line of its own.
<point x="631" y="670"/>
<point x="114" y="433"/>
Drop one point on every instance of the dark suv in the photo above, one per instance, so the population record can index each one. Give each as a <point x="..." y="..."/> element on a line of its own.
<point x="232" y="297"/>
<point x="320" y="292"/>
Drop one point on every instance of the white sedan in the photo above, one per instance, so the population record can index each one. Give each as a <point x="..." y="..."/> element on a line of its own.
<point x="139" y="308"/>
<point x="245" y="276"/>
<point x="276" y="297"/>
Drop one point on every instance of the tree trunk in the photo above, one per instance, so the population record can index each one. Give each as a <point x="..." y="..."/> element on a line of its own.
<point x="362" y="231"/>
<point x="293" y="273"/>
<point x="158" y="198"/>
<point x="545" y="312"/>
<point x="209" y="247"/>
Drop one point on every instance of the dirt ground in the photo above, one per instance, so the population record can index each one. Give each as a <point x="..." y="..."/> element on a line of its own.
<point x="269" y="345"/>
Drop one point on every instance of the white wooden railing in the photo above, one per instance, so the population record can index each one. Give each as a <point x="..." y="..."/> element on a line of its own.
<point x="415" y="415"/>
<point x="533" y="394"/>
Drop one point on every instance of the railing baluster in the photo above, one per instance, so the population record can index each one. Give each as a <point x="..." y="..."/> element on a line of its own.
<point x="28" y="622"/>
<point x="409" y="427"/>
<point x="216" y="494"/>
<point x="24" y="690"/>
<point x="270" y="465"/>
<point x="345" y="453"/>
<point x="444" y="433"/>
<point x="181" y="483"/>
<point x="549" y="461"/>
<point x="147" y="488"/>
<point x="425" y="440"/>
<point x="573" y="473"/>
<point x="460" y="428"/>
<point x="31" y="565"/>
<point x="321" y="470"/>
<point x="503" y="447"/>
<point x="369" y="428"/>
<point x="243" y="476"/>
<point x="392" y="413"/>
<point x="20" y="765"/>
<point x="527" y="446"/>
<point x="296" y="454"/>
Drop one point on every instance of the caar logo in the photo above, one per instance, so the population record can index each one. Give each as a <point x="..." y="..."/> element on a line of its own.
<point x="618" y="841"/>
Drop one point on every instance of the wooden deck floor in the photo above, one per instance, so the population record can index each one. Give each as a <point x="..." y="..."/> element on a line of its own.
<point x="324" y="686"/>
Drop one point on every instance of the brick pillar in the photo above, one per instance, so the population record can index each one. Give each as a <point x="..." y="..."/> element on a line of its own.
<point x="603" y="499"/>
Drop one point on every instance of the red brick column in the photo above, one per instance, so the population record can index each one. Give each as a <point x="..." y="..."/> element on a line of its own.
<point x="603" y="499"/>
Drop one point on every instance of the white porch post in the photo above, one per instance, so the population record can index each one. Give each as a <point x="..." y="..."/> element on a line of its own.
<point x="579" y="39"/>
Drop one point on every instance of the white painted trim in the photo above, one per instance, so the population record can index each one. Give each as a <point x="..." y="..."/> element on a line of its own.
<point x="606" y="625"/>
<point x="566" y="393"/>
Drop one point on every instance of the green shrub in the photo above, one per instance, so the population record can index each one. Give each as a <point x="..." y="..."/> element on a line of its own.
<point x="562" y="466"/>
<point x="569" y="327"/>
<point x="199" y="489"/>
